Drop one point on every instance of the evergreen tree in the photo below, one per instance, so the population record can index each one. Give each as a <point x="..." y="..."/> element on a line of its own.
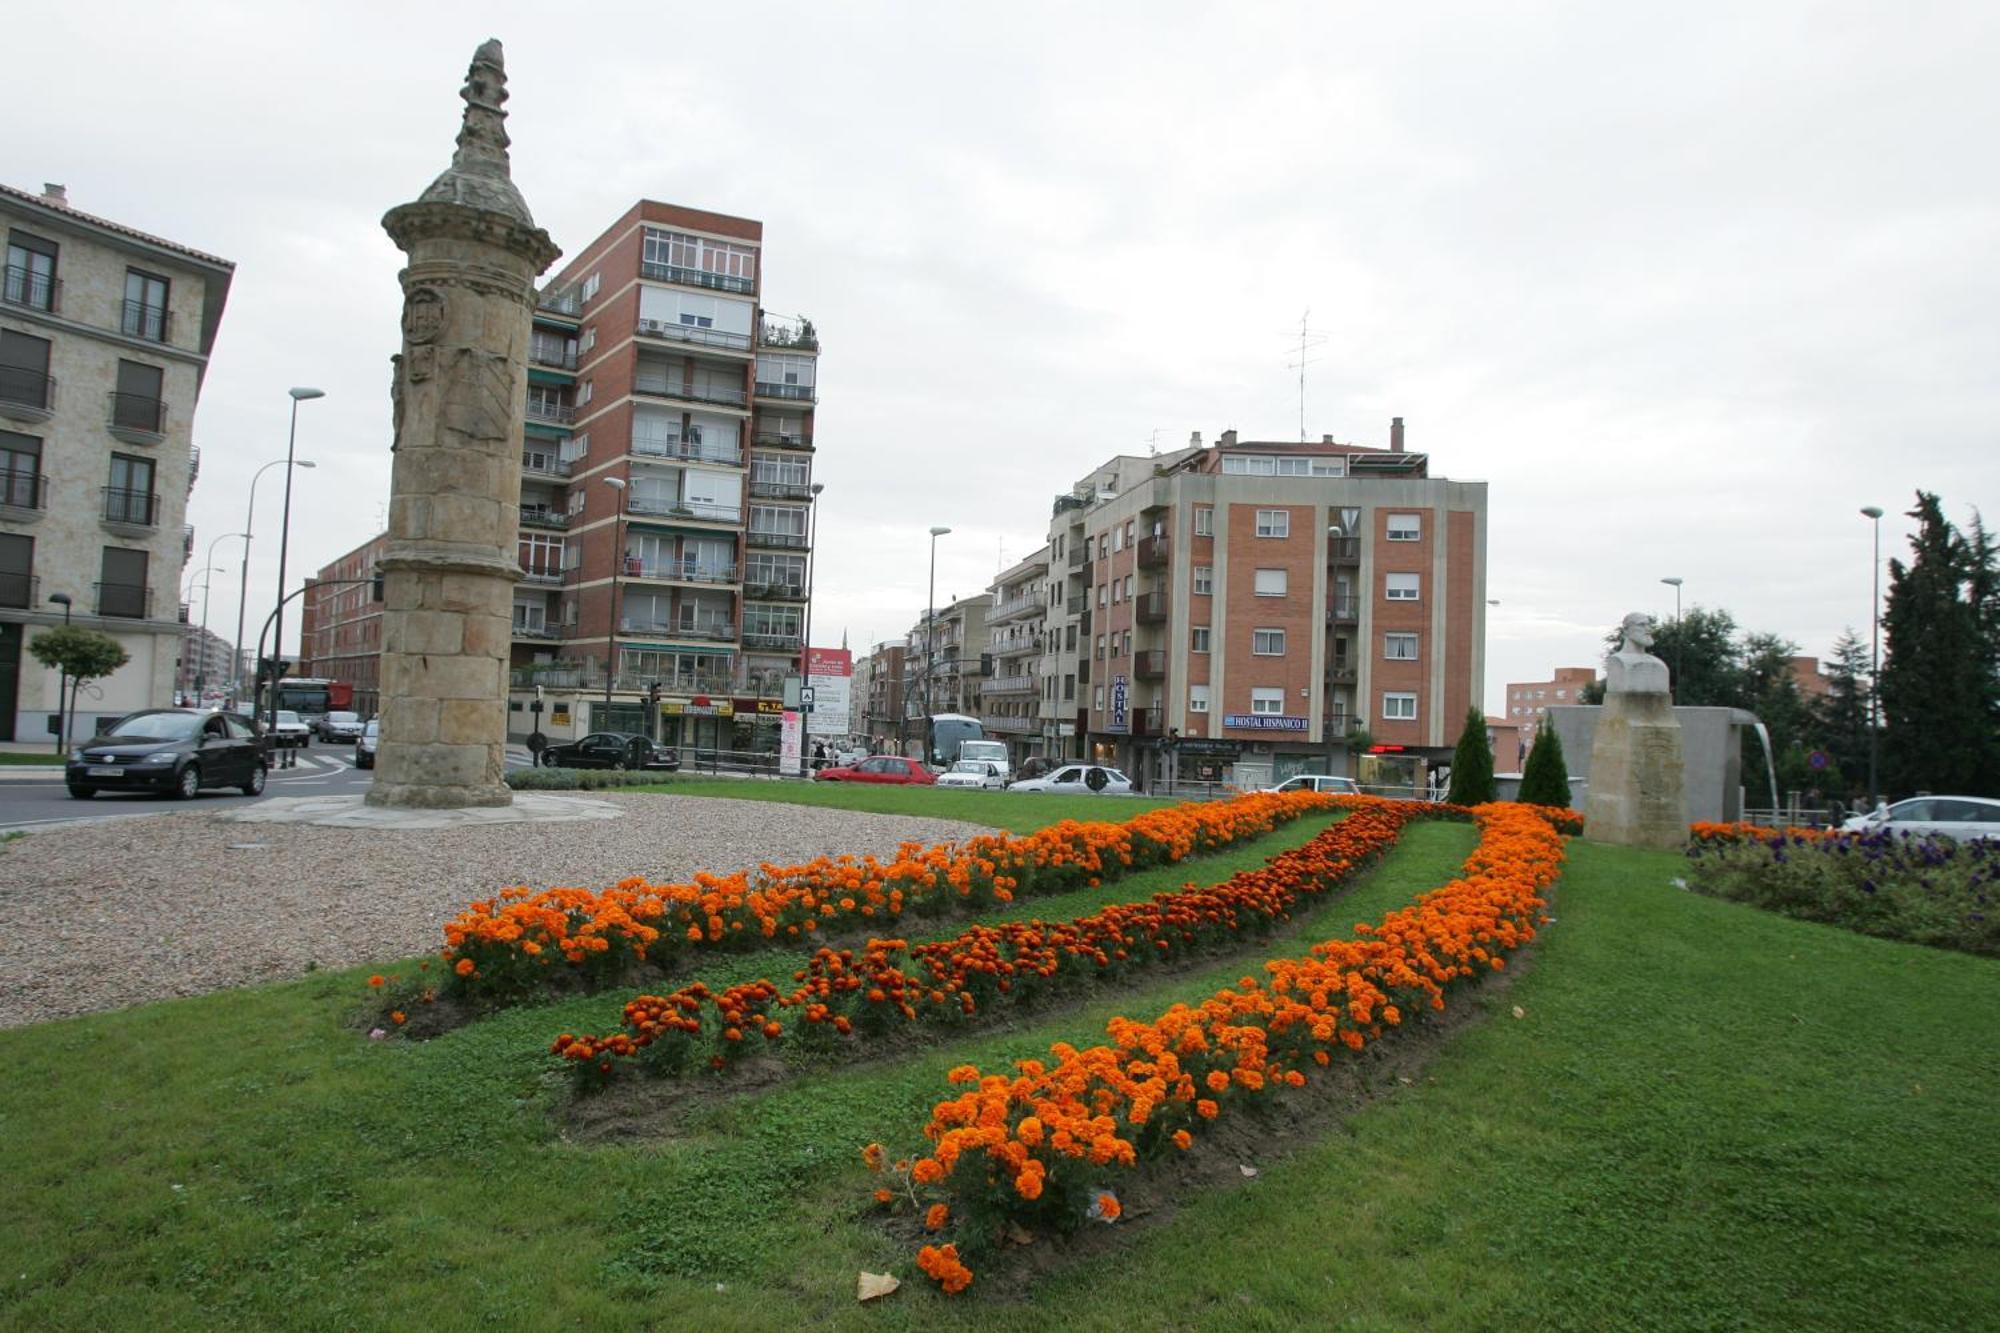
<point x="1472" y="763"/>
<point x="1545" y="779"/>
<point x="1937" y="675"/>
<point x="1839" y="723"/>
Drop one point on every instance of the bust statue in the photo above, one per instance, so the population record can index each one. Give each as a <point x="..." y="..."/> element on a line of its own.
<point x="1633" y="670"/>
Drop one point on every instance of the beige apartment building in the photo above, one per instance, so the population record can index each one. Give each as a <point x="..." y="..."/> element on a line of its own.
<point x="943" y="666"/>
<point x="1011" y="694"/>
<point x="105" y="334"/>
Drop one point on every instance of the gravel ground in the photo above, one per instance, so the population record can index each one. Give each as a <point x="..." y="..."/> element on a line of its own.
<point x="109" y="915"/>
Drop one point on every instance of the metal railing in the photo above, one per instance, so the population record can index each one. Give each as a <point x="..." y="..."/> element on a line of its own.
<point x="802" y="393"/>
<point x="782" y="441"/>
<point x="780" y="591"/>
<point x="701" y="509"/>
<point x="140" y="320"/>
<point x="545" y="518"/>
<point x="780" y="490"/>
<point x="1014" y="606"/>
<point x="194" y="466"/>
<point x="540" y="633"/>
<point x="723" y="394"/>
<point x="1154" y="551"/>
<point x="1346" y="550"/>
<point x="781" y="332"/>
<point x="37" y="291"/>
<point x="19" y="591"/>
<point x="545" y="465"/>
<point x="1341" y="669"/>
<point x="558" y="356"/>
<point x="29" y="388"/>
<point x="689" y="447"/>
<point x="694" y="277"/>
<point x="138" y="414"/>
<point x="561" y="414"/>
<point x="789" y="540"/>
<point x="786" y="639"/>
<point x="1343" y="609"/>
<point x="564" y="302"/>
<point x="23" y="490"/>
<point x="1076" y="557"/>
<point x="690" y="333"/>
<point x="137" y="509"/>
<point x="1152" y="607"/>
<point x="129" y="601"/>
<point x="1150" y="664"/>
<point x="683" y="571"/>
<point x="720" y="631"/>
<point x="1011" y="685"/>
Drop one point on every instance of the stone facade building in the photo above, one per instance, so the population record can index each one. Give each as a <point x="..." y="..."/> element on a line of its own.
<point x="105" y="334"/>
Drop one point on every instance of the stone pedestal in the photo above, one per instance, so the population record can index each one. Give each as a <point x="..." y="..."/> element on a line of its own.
<point x="454" y="498"/>
<point x="1636" y="774"/>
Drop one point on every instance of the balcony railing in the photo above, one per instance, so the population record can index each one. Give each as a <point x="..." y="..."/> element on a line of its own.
<point x="1339" y="726"/>
<point x="1341" y="610"/>
<point x="1150" y="665"/>
<point x="128" y="601"/>
<point x="19" y="591"/>
<point x="780" y="490"/>
<point x="782" y="441"/>
<point x="560" y="414"/>
<point x="694" y="277"/>
<point x="194" y="466"/>
<point x="543" y="633"/>
<point x="724" y="394"/>
<point x="187" y="541"/>
<point x="150" y="322"/>
<point x="688" y="447"/>
<point x="785" y="639"/>
<point x="1076" y="557"/>
<point x="543" y="578"/>
<point x="544" y="465"/>
<point x="1152" y="607"/>
<point x="27" y="491"/>
<point x="795" y="541"/>
<point x="37" y="291"/>
<point x="680" y="571"/>
<point x="564" y="302"/>
<point x="1155" y="551"/>
<point x="721" y="631"/>
<point x="796" y="334"/>
<point x="133" y="509"/>
<point x="1014" y="606"/>
<point x="775" y="592"/>
<point x="1345" y="550"/>
<point x="1340" y="670"/>
<point x="695" y="509"/>
<point x="1011" y="685"/>
<point x="801" y="393"/>
<point x="544" y="518"/>
<point x="557" y="356"/>
<point x="689" y="333"/>
<point x="135" y="416"/>
<point x="29" y="392"/>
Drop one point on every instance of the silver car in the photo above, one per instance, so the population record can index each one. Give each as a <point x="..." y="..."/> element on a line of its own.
<point x="1079" y="780"/>
<point x="1961" y="818"/>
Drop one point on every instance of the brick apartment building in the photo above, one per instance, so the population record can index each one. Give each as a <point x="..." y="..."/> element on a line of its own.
<point x="1247" y="606"/>
<point x="340" y="625"/>
<point x="878" y="692"/>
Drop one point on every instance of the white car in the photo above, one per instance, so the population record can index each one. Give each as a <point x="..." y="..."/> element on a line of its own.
<point x="1079" y="780"/>
<point x="973" y="773"/>
<point x="1961" y="818"/>
<point x="337" y="727"/>
<point x="1320" y="782"/>
<point x="291" y="729"/>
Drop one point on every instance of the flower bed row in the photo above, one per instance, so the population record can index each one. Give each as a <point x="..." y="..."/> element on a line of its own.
<point x="1038" y="1148"/>
<point x="845" y="995"/>
<point x="523" y="938"/>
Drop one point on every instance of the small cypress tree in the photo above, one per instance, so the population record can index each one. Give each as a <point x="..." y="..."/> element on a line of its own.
<point x="1545" y="779"/>
<point x="1472" y="764"/>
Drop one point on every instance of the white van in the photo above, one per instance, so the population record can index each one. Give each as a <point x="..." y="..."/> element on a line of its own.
<point x="1320" y="782"/>
<point x="988" y="752"/>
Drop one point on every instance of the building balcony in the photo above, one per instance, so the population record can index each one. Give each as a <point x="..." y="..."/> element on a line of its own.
<point x="1150" y="665"/>
<point x="678" y="571"/>
<point x="795" y="393"/>
<point x="708" y="631"/>
<point x="693" y="335"/>
<point x="791" y="335"/>
<point x="783" y="541"/>
<point x="772" y="640"/>
<point x="565" y="302"/>
<point x="151" y="322"/>
<point x="543" y="578"/>
<point x="1343" y="550"/>
<point x="694" y="277"/>
<point x="37" y="291"/>
<point x="137" y="510"/>
<point x="554" y="414"/>
<point x="545" y="518"/>
<point x="187" y="541"/>
<point x="775" y="592"/>
<point x="1338" y="726"/>
<point x="137" y="419"/>
<point x="26" y="395"/>
<point x="685" y="448"/>
<point x="779" y="441"/>
<point x="1152" y="608"/>
<point x="1076" y="558"/>
<point x="723" y="395"/>
<point x="698" y="511"/>
<point x="1341" y="670"/>
<point x="124" y="601"/>
<point x="1016" y="608"/>
<point x="1008" y="725"/>
<point x="194" y="466"/>
<point x="538" y="464"/>
<point x="1155" y="552"/>
<point x="780" y="490"/>
<point x="539" y="633"/>
<point x="1343" y="610"/>
<point x="23" y="496"/>
<point x="1011" y="685"/>
<point x="552" y="354"/>
<point x="19" y="592"/>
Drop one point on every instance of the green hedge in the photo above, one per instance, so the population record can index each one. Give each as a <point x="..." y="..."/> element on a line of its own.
<point x="580" y="779"/>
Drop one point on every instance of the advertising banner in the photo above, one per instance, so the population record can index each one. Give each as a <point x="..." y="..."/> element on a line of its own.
<point x="789" y="747"/>
<point x="830" y="676"/>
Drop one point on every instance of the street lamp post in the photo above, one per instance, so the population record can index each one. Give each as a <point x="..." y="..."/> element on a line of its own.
<point x="1680" y="638"/>
<point x="805" y="644"/>
<point x="617" y="563"/>
<point x="207" y="577"/>
<point x="201" y="675"/>
<point x="930" y="639"/>
<point x="243" y="586"/>
<point x="298" y="395"/>
<point x="1873" y="513"/>
<point x="62" y="680"/>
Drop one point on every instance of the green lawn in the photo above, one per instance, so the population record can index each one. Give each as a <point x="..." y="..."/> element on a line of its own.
<point x="13" y="757"/>
<point x="1708" y="1117"/>
<point x="1017" y="812"/>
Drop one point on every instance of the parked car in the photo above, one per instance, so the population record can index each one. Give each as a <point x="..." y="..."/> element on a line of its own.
<point x="1320" y="782"/>
<point x="1079" y="780"/>
<point x="173" y="751"/>
<point x="982" y="773"/>
<point x="365" y="743"/>
<point x="291" y="730"/>
<point x="612" y="749"/>
<point x="888" y="768"/>
<point x="1961" y="818"/>
<point x="337" y="727"/>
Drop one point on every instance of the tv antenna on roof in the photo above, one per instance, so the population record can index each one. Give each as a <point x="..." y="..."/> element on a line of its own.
<point x="1310" y="340"/>
<point x="1153" y="443"/>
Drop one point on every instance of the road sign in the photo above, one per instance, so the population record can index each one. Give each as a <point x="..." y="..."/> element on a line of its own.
<point x="805" y="694"/>
<point x="1818" y="760"/>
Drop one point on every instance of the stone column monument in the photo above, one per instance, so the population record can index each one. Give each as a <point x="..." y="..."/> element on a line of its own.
<point x="1637" y="797"/>
<point x="454" y="497"/>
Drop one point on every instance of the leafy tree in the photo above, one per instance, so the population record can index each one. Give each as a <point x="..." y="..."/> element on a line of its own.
<point x="1937" y="686"/>
<point x="85" y="654"/>
<point x="1545" y="778"/>
<point x="1472" y="763"/>
<point x="1358" y="741"/>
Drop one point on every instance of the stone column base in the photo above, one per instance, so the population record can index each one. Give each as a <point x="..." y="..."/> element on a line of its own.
<point x="426" y="796"/>
<point x="1637" y="776"/>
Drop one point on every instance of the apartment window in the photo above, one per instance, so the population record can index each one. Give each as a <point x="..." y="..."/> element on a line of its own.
<point x="1103" y="595"/>
<point x="588" y="341"/>
<point x="1117" y="539"/>
<point x="1399" y="707"/>
<point x="145" y="306"/>
<point x="1271" y="582"/>
<point x="1197" y="698"/>
<point x="30" y="278"/>
<point x="778" y="519"/>
<point x="1399" y="647"/>
<point x="1267" y="699"/>
<point x="136" y="403"/>
<point x="584" y="392"/>
<point x="1274" y="522"/>
<point x="1128" y="643"/>
<point x="1267" y="642"/>
<point x="1249" y="465"/>
<point x="1406" y="527"/>
<point x="17" y="570"/>
<point x="1128" y="532"/>
<point x="1204" y="520"/>
<point x="1114" y="592"/>
<point x="1128" y="587"/>
<point x="1198" y="639"/>
<point x="793" y="372"/>
<point x="1069" y="687"/>
<point x="1403" y="587"/>
<point x="20" y="470"/>
<point x="1097" y="699"/>
<point x="591" y="285"/>
<point x="700" y="260"/>
<point x="1100" y="647"/>
<point x="24" y="370"/>
<point x="1069" y="638"/>
<point x="129" y="496"/>
<point x="121" y="585"/>
<point x="1204" y="580"/>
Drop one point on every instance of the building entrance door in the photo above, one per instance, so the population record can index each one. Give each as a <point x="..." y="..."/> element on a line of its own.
<point x="11" y="639"/>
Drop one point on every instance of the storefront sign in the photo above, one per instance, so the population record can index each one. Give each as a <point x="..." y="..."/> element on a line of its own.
<point x="1120" y="716"/>
<point x="790" y="734"/>
<point x="1262" y="722"/>
<point x="559" y="715"/>
<point x="697" y="708"/>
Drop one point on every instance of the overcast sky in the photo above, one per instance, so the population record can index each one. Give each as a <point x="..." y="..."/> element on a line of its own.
<point x="1686" y="287"/>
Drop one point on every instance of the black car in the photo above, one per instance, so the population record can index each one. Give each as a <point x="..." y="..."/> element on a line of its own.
<point x="612" y="749"/>
<point x="174" y="751"/>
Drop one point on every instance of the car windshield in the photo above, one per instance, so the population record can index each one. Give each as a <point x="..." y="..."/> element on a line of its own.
<point x="970" y="766"/>
<point x="343" y="717"/>
<point x="374" y="729"/>
<point x="158" y="726"/>
<point x="286" y="715"/>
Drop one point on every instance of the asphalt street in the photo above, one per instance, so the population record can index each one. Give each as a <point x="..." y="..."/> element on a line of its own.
<point x="33" y="797"/>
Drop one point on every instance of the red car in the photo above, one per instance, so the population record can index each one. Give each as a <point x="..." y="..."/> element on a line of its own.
<point x="880" y="768"/>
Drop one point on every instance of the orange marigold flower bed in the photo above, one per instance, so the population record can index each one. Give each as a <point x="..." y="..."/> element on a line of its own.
<point x="1708" y="833"/>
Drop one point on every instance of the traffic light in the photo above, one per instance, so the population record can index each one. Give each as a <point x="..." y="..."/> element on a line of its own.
<point x="270" y="669"/>
<point x="653" y="694"/>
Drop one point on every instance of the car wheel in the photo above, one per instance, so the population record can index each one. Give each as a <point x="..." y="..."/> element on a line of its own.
<point x="187" y="783"/>
<point x="81" y="792"/>
<point x="255" y="786"/>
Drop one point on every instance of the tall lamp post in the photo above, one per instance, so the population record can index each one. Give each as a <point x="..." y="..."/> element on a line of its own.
<point x="62" y="681"/>
<point x="1873" y="513"/>
<point x="806" y="642"/>
<point x="299" y="395"/>
<point x="617" y="563"/>
<point x="243" y="586"/>
<point x="1680" y="639"/>
<point x="201" y="674"/>
<point x="930" y="639"/>
<point x="207" y="577"/>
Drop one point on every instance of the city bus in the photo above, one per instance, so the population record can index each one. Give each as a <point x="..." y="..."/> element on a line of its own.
<point x="943" y="735"/>
<point x="313" y="697"/>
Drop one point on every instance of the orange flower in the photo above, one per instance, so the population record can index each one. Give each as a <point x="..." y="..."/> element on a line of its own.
<point x="927" y="1171"/>
<point x="1183" y="1140"/>
<point x="871" y="1156"/>
<point x="885" y="1196"/>
<point x="398" y="1017"/>
<point x="377" y="980"/>
<point x="1207" y="1109"/>
<point x="938" y="1215"/>
<point x="1107" y="1207"/>
<point x="465" y="967"/>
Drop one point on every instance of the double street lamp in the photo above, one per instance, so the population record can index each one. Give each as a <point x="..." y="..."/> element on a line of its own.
<point x="243" y="585"/>
<point x="1873" y="513"/>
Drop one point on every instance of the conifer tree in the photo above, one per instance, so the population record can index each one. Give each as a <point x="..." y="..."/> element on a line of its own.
<point x="1545" y="778"/>
<point x="1937" y="682"/>
<point x="1472" y="763"/>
